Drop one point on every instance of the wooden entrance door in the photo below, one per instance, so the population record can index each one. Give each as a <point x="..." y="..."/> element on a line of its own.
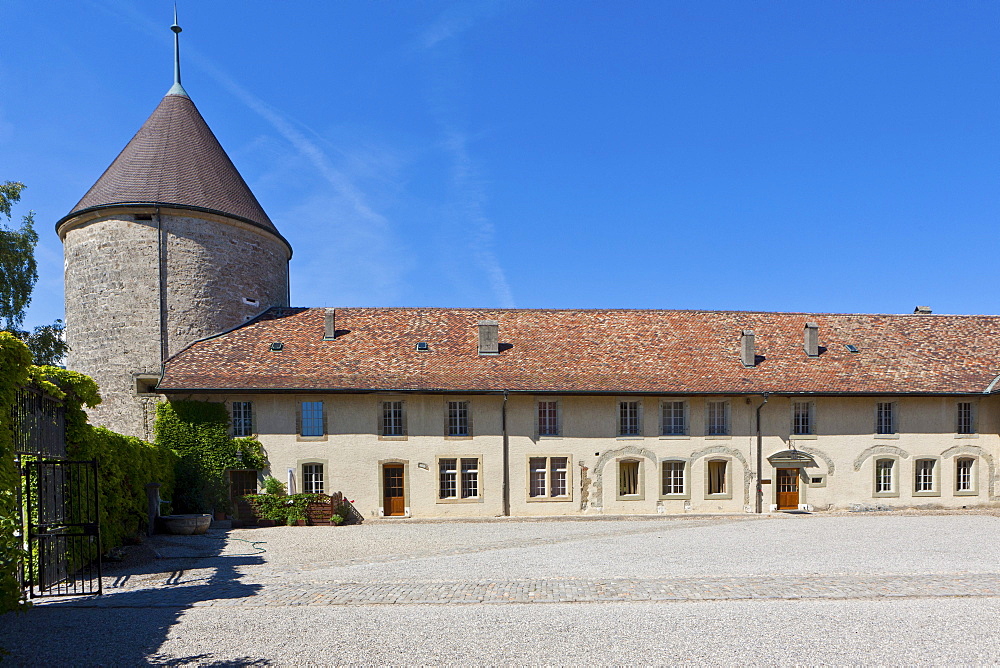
<point x="788" y="489"/>
<point x="393" y="503"/>
<point x="240" y="484"/>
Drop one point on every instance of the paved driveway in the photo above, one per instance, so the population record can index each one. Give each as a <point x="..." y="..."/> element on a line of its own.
<point x="786" y="589"/>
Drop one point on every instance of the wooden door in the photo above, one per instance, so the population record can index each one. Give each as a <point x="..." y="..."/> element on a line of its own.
<point x="393" y="502"/>
<point x="788" y="489"/>
<point x="241" y="483"/>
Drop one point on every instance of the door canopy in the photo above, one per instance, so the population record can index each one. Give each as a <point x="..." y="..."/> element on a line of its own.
<point x="792" y="458"/>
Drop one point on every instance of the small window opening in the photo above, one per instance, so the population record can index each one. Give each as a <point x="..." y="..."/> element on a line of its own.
<point x="277" y="346"/>
<point x="251" y="302"/>
<point x="851" y="348"/>
<point x="423" y="346"/>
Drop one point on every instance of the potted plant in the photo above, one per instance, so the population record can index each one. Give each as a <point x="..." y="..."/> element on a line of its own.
<point x="296" y="517"/>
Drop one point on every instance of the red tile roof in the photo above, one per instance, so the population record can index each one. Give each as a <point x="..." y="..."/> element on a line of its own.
<point x="593" y="351"/>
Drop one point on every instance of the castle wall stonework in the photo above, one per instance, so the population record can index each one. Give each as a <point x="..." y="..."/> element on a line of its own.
<point x="217" y="273"/>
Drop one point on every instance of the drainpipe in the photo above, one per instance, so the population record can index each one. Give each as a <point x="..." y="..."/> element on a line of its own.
<point x="506" y="457"/>
<point x="760" y="459"/>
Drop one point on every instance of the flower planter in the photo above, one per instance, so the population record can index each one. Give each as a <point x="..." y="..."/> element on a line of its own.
<point x="185" y="525"/>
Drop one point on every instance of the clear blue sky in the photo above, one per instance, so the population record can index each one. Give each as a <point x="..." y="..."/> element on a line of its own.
<point x="791" y="156"/>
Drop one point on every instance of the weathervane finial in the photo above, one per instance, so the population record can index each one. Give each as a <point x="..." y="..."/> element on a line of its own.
<point x="177" y="88"/>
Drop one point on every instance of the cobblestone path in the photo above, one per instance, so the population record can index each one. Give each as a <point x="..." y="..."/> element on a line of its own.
<point x="199" y="593"/>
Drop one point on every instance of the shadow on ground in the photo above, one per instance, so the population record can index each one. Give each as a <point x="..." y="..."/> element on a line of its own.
<point x="128" y="626"/>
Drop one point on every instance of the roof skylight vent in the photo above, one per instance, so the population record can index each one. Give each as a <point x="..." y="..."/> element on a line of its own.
<point x="851" y="348"/>
<point x="422" y="346"/>
<point x="277" y="346"/>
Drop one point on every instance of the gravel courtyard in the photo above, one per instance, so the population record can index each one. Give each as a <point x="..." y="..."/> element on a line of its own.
<point x="782" y="589"/>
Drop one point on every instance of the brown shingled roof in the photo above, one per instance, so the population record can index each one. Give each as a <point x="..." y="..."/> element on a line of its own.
<point x="594" y="351"/>
<point x="174" y="159"/>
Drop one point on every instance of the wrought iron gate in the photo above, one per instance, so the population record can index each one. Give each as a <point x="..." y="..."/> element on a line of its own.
<point x="59" y="501"/>
<point x="62" y="508"/>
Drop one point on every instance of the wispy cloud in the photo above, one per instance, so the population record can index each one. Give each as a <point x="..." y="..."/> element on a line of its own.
<point x="469" y="189"/>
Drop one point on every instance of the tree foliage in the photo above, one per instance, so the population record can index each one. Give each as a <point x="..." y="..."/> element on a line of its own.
<point x="18" y="275"/>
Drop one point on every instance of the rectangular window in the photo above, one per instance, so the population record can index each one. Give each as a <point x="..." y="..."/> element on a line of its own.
<point x="448" y="479"/>
<point x="673" y="418"/>
<point x="312" y="418"/>
<point x="885" y="418"/>
<point x="242" y="418"/>
<point x="548" y="418"/>
<point x="628" y="478"/>
<point x="883" y="476"/>
<point x="629" y="419"/>
<point x="312" y="478"/>
<point x="458" y="418"/>
<point x="718" y="418"/>
<point x="548" y="477"/>
<point x="717" y="476"/>
<point x="963" y="475"/>
<point x="392" y="419"/>
<point x="966" y="425"/>
<point x="673" y="478"/>
<point x="924" y="476"/>
<point x="470" y="478"/>
<point x="802" y="418"/>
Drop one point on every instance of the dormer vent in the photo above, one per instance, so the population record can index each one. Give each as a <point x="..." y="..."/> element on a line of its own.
<point x="748" y="349"/>
<point x="489" y="337"/>
<point x="330" y="324"/>
<point x="812" y="339"/>
<point x="922" y="310"/>
<point x="277" y="347"/>
<point x="423" y="346"/>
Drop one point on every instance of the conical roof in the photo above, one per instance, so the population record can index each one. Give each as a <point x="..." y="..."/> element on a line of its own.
<point x="175" y="160"/>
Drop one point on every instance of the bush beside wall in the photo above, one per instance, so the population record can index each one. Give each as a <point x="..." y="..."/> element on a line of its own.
<point x="14" y="362"/>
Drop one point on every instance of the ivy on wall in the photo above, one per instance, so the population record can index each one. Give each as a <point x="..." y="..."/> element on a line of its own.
<point x="14" y="362"/>
<point x="198" y="431"/>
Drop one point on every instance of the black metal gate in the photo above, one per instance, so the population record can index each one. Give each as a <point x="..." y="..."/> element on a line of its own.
<point x="64" y="537"/>
<point x="59" y="502"/>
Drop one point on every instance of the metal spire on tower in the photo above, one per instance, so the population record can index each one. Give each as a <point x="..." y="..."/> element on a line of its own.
<point x="177" y="88"/>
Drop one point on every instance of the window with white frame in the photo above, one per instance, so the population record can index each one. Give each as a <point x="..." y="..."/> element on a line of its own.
<point x="548" y="418"/>
<point x="312" y="419"/>
<point x="673" y="478"/>
<point x="628" y="478"/>
<point x="717" y="477"/>
<point x="718" y="418"/>
<point x="629" y="418"/>
<point x="803" y="418"/>
<point x="963" y="474"/>
<point x="312" y="478"/>
<point x="966" y="423"/>
<point x="242" y="418"/>
<point x="458" y="478"/>
<point x="458" y="419"/>
<point x="548" y="477"/>
<point x="393" y="423"/>
<point x="923" y="475"/>
<point x="673" y="418"/>
<point x="885" y="476"/>
<point x="885" y="417"/>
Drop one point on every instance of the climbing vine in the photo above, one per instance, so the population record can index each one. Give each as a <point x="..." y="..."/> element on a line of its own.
<point x="198" y="431"/>
<point x="14" y="362"/>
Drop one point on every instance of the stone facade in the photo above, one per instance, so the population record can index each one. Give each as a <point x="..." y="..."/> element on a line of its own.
<point x="139" y="289"/>
<point x="837" y="472"/>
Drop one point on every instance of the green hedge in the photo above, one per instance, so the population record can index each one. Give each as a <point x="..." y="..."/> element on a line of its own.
<point x="14" y="362"/>
<point x="198" y="431"/>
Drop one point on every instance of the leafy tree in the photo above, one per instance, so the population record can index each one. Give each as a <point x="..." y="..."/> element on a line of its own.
<point x="18" y="274"/>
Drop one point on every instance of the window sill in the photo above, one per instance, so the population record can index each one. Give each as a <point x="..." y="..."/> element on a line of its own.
<point x="675" y="497"/>
<point x="630" y="497"/>
<point x="719" y="437"/>
<point x="622" y="437"/>
<point x="458" y="438"/>
<point x="550" y="437"/>
<point x="967" y="492"/>
<point x="392" y="438"/>
<point x="675" y="437"/>
<point x="885" y="495"/>
<point x="966" y="435"/>
<point x="888" y="436"/>
<point x="803" y="437"/>
<point x="718" y="497"/>
<point x="477" y="499"/>
<point x="310" y="439"/>
<point x="549" y="499"/>
<point x="924" y="494"/>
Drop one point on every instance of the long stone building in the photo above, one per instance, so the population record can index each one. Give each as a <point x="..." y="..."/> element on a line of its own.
<point x="177" y="287"/>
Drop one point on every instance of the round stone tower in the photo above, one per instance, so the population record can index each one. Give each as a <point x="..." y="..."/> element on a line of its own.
<point x="168" y="246"/>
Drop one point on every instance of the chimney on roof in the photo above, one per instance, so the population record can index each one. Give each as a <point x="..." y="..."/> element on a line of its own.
<point x="489" y="337"/>
<point x="748" y="348"/>
<point x="330" y="324"/>
<point x="922" y="310"/>
<point x="812" y="339"/>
